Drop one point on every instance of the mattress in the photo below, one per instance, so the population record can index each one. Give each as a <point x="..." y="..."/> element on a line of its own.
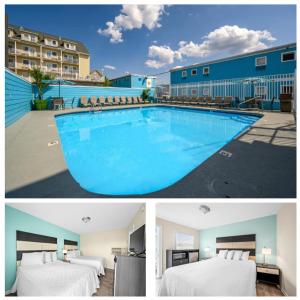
<point x="211" y="277"/>
<point x="56" y="279"/>
<point x="96" y="262"/>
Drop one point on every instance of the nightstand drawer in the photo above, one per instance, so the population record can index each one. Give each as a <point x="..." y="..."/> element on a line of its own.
<point x="268" y="271"/>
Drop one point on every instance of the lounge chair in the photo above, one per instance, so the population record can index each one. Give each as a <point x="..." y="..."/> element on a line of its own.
<point x="123" y="100"/>
<point x="117" y="100"/>
<point x="129" y="100"/>
<point x="135" y="100"/>
<point x="227" y="101"/>
<point x="93" y="101"/>
<point x="140" y="99"/>
<point x="218" y="101"/>
<point x="102" y="100"/>
<point x="84" y="101"/>
<point x="110" y="100"/>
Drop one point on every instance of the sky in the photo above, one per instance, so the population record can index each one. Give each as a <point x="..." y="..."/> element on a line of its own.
<point x="152" y="39"/>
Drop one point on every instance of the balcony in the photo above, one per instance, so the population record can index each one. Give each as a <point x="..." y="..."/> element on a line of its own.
<point x="11" y="65"/>
<point x="32" y="39"/>
<point x="28" y="53"/>
<point x="27" y="67"/>
<point x="11" y="51"/>
<point x="70" y="75"/>
<point x="51" y="70"/>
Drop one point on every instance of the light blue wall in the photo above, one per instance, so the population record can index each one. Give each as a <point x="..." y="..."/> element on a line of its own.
<point x="264" y="228"/>
<point x="122" y="82"/>
<point x="18" y="97"/>
<point x="70" y="92"/>
<point x="133" y="81"/>
<point x="18" y="220"/>
<point x="238" y="68"/>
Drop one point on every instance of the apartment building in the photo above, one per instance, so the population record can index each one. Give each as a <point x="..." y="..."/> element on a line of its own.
<point x="55" y="55"/>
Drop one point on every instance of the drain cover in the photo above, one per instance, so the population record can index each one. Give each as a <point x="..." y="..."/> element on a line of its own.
<point x="225" y="153"/>
<point x="53" y="143"/>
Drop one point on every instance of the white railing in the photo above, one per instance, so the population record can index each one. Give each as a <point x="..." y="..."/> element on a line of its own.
<point x="70" y="60"/>
<point x="52" y="57"/>
<point x="26" y="67"/>
<point x="266" y="87"/>
<point x="51" y="70"/>
<point x="70" y="75"/>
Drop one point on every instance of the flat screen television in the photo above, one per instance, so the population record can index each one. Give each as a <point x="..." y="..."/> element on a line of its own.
<point x="137" y="241"/>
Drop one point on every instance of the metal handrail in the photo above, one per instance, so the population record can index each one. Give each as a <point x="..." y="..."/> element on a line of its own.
<point x="248" y="100"/>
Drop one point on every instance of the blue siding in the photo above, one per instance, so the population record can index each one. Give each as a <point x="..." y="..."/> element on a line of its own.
<point x="238" y="68"/>
<point x="73" y="93"/>
<point x="122" y="82"/>
<point x="18" y="97"/>
<point x="133" y="81"/>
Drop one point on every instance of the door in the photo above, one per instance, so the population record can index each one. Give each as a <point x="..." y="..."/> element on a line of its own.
<point x="158" y="252"/>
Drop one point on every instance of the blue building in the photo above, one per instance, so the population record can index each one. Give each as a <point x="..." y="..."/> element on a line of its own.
<point x="134" y="81"/>
<point x="266" y="73"/>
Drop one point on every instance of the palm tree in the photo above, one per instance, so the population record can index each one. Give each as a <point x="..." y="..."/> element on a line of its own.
<point x="106" y="82"/>
<point x="39" y="77"/>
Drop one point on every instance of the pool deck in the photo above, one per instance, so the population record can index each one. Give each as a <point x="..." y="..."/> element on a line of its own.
<point x="260" y="163"/>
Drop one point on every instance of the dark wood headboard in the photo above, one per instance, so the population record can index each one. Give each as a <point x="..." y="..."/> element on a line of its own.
<point x="31" y="242"/>
<point x="70" y="245"/>
<point x="238" y="242"/>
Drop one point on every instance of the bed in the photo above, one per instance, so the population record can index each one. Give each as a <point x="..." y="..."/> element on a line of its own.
<point x="216" y="276"/>
<point x="56" y="279"/>
<point x="96" y="262"/>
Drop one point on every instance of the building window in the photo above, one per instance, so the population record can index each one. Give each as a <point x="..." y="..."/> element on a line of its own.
<point x="205" y="91"/>
<point x="10" y="33"/>
<point x="261" y="61"/>
<point x="205" y="70"/>
<point x="288" y="56"/>
<point x="184" y="74"/>
<point x="25" y="62"/>
<point x="54" y="43"/>
<point x="184" y="241"/>
<point x="194" y="92"/>
<point x="194" y="72"/>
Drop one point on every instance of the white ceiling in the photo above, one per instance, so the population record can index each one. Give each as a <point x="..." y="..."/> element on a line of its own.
<point x="68" y="215"/>
<point x="188" y="214"/>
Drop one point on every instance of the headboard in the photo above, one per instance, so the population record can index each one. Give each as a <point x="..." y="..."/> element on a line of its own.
<point x="70" y="245"/>
<point x="238" y="242"/>
<point x="30" y="242"/>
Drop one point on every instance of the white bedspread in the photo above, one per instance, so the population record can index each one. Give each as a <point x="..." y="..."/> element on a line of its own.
<point x="96" y="262"/>
<point x="56" y="279"/>
<point x="211" y="277"/>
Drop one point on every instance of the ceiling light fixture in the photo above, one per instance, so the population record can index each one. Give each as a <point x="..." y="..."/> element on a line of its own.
<point x="86" y="219"/>
<point x="204" y="209"/>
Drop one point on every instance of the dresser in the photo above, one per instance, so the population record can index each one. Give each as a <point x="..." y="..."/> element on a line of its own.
<point x="268" y="273"/>
<point x="181" y="257"/>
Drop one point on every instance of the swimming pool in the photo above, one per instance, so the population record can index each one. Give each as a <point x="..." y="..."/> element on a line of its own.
<point x="141" y="150"/>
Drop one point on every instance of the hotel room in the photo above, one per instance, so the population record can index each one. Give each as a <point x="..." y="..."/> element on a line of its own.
<point x="233" y="249"/>
<point x="62" y="249"/>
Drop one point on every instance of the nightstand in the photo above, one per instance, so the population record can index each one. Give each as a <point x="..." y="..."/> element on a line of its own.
<point x="66" y="260"/>
<point x="268" y="274"/>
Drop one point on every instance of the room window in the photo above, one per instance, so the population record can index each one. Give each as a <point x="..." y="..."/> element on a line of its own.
<point x="205" y="70"/>
<point x="205" y="91"/>
<point x="288" y="56"/>
<point x="25" y="62"/>
<point x="261" y="61"/>
<point x="54" y="43"/>
<point x="194" y="92"/>
<point x="184" y="241"/>
<point x="194" y="72"/>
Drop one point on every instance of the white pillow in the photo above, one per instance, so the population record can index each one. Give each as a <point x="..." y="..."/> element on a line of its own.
<point x="32" y="259"/>
<point x="222" y="253"/>
<point x="237" y="255"/>
<point x="53" y="256"/>
<point x="47" y="257"/>
<point x="230" y="254"/>
<point x="245" y="255"/>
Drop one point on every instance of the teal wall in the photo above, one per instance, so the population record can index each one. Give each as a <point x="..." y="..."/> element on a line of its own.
<point x="18" y="97"/>
<point x="264" y="228"/>
<point x="18" y="220"/>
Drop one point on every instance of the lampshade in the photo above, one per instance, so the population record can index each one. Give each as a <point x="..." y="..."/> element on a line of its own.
<point x="206" y="249"/>
<point x="266" y="251"/>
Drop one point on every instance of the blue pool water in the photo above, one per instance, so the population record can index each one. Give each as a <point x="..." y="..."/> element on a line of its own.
<point x="137" y="151"/>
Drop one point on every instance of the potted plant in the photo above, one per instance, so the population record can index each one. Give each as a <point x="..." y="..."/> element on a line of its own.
<point x="38" y="77"/>
<point x="145" y="95"/>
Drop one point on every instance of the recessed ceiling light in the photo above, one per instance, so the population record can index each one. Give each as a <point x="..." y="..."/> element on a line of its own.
<point x="86" y="219"/>
<point x="204" y="209"/>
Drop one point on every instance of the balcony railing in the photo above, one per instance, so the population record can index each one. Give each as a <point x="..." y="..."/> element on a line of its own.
<point x="51" y="70"/>
<point x="26" y="67"/>
<point x="70" y="60"/>
<point x="70" y="75"/>
<point x="11" y="50"/>
<point x="11" y="65"/>
<point x="29" y="39"/>
<point x="51" y="57"/>
<point x="28" y="53"/>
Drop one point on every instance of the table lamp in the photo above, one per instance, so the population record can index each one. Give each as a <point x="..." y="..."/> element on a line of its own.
<point x="266" y="251"/>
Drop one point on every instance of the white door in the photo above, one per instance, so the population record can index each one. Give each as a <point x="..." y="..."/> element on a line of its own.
<point x="158" y="252"/>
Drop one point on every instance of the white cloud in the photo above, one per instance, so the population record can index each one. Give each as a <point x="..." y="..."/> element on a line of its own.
<point x="133" y="17"/>
<point x="226" y="40"/>
<point x="161" y="56"/>
<point x="110" y="67"/>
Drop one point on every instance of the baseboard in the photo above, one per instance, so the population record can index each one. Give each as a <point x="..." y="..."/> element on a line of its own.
<point x="7" y="292"/>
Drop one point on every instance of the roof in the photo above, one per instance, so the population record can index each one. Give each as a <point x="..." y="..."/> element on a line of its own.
<point x="80" y="47"/>
<point x="129" y="75"/>
<point x="286" y="46"/>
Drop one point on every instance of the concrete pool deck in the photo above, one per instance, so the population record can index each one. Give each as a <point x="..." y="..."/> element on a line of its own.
<point x="261" y="163"/>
